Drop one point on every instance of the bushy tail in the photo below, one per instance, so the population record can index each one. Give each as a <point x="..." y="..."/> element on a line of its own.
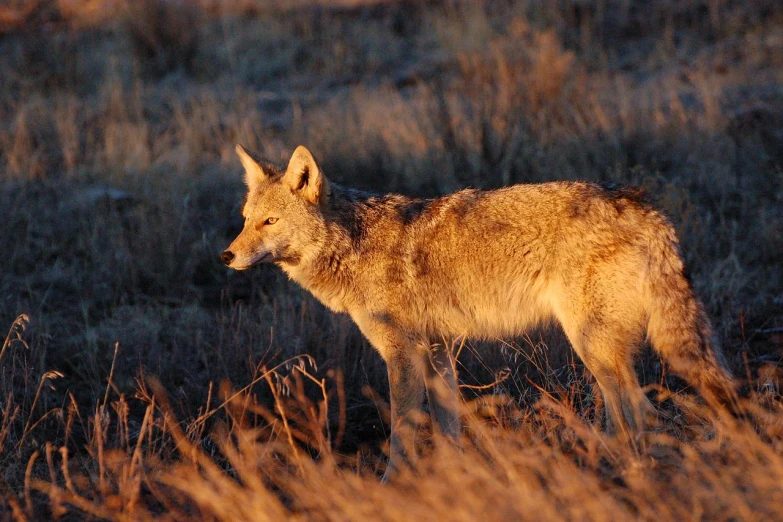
<point x="679" y="329"/>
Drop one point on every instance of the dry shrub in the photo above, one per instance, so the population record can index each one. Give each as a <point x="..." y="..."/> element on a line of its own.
<point x="549" y="71"/>
<point x="16" y="14"/>
<point x="68" y="132"/>
<point x="471" y="129"/>
<point x="83" y="14"/>
<point x="26" y="147"/>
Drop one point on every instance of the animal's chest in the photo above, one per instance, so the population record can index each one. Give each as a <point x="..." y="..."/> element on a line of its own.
<point x="333" y="300"/>
<point x="329" y="294"/>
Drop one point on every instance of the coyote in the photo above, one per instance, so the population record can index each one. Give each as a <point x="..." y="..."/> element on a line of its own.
<point x="484" y="264"/>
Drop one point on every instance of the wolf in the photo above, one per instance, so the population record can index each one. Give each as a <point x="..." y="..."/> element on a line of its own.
<point x="484" y="264"/>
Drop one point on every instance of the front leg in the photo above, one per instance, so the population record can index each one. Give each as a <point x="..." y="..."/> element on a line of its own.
<point x="406" y="383"/>
<point x="442" y="391"/>
<point x="404" y="353"/>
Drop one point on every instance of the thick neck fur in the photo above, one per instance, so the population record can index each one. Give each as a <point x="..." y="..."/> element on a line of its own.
<point x="351" y="219"/>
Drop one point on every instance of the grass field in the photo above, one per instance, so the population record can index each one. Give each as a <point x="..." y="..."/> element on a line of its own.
<point x="141" y="379"/>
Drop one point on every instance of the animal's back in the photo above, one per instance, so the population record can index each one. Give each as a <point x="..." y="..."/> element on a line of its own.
<point x="492" y="263"/>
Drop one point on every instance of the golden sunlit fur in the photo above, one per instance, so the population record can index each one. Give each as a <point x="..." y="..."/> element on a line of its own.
<point x="484" y="264"/>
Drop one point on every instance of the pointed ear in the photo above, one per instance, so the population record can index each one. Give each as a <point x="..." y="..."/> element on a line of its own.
<point x="254" y="173"/>
<point x="304" y="176"/>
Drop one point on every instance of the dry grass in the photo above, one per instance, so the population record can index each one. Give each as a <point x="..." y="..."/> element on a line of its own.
<point x="545" y="464"/>
<point x="119" y="187"/>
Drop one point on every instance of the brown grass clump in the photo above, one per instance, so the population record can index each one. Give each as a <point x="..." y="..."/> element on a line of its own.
<point x="119" y="187"/>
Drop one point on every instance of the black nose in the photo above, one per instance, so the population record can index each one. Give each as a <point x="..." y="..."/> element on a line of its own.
<point x="227" y="257"/>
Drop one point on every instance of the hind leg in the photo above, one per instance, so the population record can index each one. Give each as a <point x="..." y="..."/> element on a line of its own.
<point x="627" y="409"/>
<point x="607" y="351"/>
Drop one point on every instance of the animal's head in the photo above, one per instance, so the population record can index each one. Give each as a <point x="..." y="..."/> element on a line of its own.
<point x="283" y="218"/>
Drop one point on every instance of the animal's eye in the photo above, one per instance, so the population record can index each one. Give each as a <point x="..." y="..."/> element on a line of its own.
<point x="270" y="221"/>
